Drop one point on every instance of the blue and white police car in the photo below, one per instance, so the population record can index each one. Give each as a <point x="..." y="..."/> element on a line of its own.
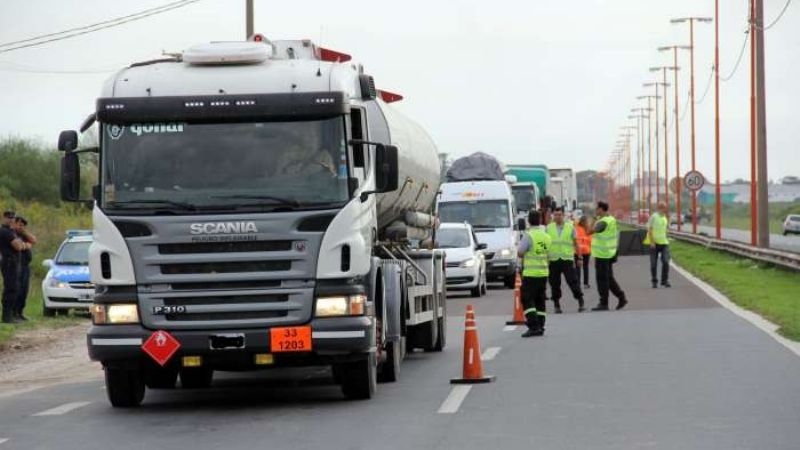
<point x="67" y="284"/>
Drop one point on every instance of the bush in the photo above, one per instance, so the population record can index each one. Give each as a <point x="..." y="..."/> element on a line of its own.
<point x="29" y="171"/>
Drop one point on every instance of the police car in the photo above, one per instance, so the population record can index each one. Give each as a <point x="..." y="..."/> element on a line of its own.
<point x="67" y="284"/>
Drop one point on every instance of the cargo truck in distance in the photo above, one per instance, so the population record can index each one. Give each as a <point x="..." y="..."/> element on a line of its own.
<point x="255" y="208"/>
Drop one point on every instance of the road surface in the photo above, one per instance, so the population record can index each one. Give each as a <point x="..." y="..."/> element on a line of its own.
<point x="672" y="371"/>
<point x="789" y="243"/>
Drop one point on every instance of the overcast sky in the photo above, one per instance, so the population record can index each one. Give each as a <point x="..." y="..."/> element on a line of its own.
<point x="528" y="81"/>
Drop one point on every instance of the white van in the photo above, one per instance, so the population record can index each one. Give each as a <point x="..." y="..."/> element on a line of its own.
<point x="489" y="207"/>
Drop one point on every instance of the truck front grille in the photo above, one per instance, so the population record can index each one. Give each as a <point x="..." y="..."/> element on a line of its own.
<point x="216" y="316"/>
<point x="224" y="247"/>
<point x="225" y="267"/>
<point x="225" y="285"/>
<point x="226" y="300"/>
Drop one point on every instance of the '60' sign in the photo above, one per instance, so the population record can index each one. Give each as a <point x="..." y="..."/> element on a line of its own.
<point x="694" y="180"/>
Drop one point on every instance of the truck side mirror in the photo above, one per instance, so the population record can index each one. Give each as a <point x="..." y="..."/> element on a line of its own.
<point x="70" y="177"/>
<point x="386" y="166"/>
<point x="521" y="225"/>
<point x="68" y="140"/>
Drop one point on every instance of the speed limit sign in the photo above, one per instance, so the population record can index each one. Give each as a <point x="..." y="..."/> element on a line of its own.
<point x="694" y="180"/>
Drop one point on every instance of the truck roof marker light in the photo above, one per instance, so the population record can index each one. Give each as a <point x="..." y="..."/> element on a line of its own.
<point x="245" y="102"/>
<point x="389" y="97"/>
<point x="326" y="54"/>
<point x="115" y="106"/>
<point x="194" y="104"/>
<point x="258" y="37"/>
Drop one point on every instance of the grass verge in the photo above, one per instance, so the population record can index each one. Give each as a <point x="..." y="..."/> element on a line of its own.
<point x="769" y="291"/>
<point x="33" y="311"/>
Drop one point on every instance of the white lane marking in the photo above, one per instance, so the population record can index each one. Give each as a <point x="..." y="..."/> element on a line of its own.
<point x="761" y="323"/>
<point x="490" y="353"/>
<point x="2" y="440"/>
<point x="471" y="356"/>
<point x="453" y="401"/>
<point x="63" y="409"/>
<point x="510" y="328"/>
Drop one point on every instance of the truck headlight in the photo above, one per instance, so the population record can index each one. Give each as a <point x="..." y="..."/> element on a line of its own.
<point x="341" y="305"/>
<point x="114" y="314"/>
<point x="56" y="283"/>
<point x="506" y="253"/>
<point x="468" y="263"/>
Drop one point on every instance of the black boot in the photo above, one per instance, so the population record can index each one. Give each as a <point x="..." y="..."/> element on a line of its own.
<point x="621" y="303"/>
<point x="601" y="307"/>
<point x="557" y="306"/>
<point x="8" y="317"/>
<point x="580" y="305"/>
<point x="534" y="326"/>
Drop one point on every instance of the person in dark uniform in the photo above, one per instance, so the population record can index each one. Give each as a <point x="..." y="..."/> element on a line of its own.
<point x="10" y="248"/>
<point x="26" y="256"/>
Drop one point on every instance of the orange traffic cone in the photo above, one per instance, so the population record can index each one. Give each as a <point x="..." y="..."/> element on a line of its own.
<point x="473" y="369"/>
<point x="519" y="317"/>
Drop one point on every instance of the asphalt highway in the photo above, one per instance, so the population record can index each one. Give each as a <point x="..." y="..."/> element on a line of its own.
<point x="672" y="371"/>
<point x="790" y="243"/>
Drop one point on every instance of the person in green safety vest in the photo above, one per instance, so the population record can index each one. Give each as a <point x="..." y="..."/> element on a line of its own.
<point x="563" y="249"/>
<point x="533" y="249"/>
<point x="659" y="245"/>
<point x="605" y="237"/>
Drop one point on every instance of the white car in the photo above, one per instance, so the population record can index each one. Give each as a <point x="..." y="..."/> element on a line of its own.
<point x="791" y="224"/>
<point x="67" y="284"/>
<point x="466" y="265"/>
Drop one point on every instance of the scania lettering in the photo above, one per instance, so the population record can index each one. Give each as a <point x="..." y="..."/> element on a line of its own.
<point x="256" y="207"/>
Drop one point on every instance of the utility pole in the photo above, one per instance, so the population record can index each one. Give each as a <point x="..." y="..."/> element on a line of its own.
<point x="249" y="19"/>
<point x="678" y="179"/>
<point x="649" y="150"/>
<point x="753" y="177"/>
<point x="664" y="83"/>
<point x="761" y="124"/>
<point x="691" y="21"/>
<point x="640" y="155"/>
<point x="717" y="174"/>
<point x="655" y="85"/>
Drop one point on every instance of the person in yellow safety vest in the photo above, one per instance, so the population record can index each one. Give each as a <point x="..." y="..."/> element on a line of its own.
<point x="533" y="249"/>
<point x="563" y="249"/>
<point x="659" y="245"/>
<point x="605" y="237"/>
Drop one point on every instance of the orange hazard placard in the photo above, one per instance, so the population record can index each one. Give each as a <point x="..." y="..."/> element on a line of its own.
<point x="290" y="339"/>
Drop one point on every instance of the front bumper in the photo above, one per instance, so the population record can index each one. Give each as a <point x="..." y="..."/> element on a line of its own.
<point x="64" y="298"/>
<point x="334" y="340"/>
<point x="500" y="268"/>
<point x="462" y="277"/>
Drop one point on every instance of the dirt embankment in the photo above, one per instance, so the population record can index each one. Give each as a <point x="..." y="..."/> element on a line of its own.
<point x="44" y="357"/>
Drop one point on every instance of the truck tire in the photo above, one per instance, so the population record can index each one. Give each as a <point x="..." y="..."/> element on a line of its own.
<point x="159" y="378"/>
<point x="360" y="378"/>
<point x="390" y="369"/>
<point x="196" y="378"/>
<point x="124" y="387"/>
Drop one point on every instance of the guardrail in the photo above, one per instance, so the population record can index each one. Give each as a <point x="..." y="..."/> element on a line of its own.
<point x="780" y="258"/>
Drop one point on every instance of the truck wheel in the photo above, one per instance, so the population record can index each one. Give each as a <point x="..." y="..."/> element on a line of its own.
<point x="125" y="387"/>
<point x="360" y="378"/>
<point x="158" y="378"/>
<point x="48" y="312"/>
<point x="390" y="369"/>
<point x="196" y="378"/>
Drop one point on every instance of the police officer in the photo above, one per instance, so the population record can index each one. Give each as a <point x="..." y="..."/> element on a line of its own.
<point x="10" y="247"/>
<point x="563" y="249"/>
<point x="659" y="245"/>
<point x="26" y="256"/>
<point x="533" y="249"/>
<point x="604" y="252"/>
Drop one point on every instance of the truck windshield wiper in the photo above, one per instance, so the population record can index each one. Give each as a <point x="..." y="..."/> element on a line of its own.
<point x="181" y="205"/>
<point x="275" y="200"/>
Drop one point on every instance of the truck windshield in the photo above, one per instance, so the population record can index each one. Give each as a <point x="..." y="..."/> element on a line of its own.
<point x="233" y="165"/>
<point x="524" y="197"/>
<point x="479" y="214"/>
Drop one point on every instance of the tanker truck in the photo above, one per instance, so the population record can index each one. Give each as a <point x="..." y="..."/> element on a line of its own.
<point x="257" y="207"/>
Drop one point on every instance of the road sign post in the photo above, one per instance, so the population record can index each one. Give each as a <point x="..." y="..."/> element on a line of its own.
<point x="694" y="181"/>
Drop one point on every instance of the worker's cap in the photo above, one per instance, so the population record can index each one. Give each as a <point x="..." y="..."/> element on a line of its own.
<point x="9" y="214"/>
<point x="22" y="220"/>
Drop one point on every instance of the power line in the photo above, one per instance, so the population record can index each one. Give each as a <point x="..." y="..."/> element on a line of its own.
<point x="95" y="27"/>
<point x="777" y="19"/>
<point x="84" y="27"/>
<point x="8" y="66"/>
<point x="708" y="85"/>
<point x="739" y="59"/>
